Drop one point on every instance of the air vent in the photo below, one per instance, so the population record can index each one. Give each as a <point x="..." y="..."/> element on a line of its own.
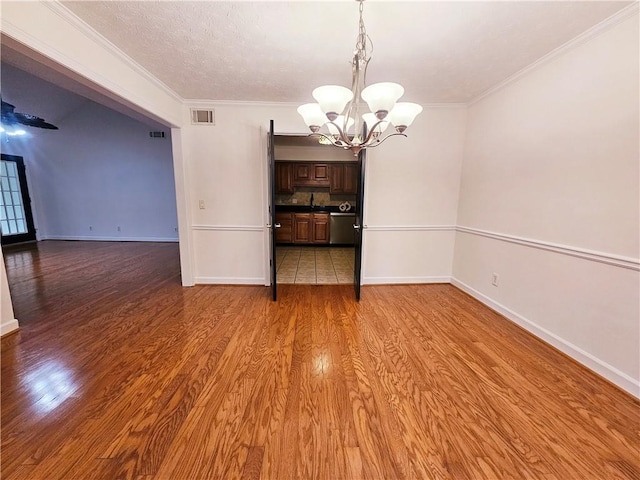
<point x="156" y="134"/>
<point x="202" y="117"/>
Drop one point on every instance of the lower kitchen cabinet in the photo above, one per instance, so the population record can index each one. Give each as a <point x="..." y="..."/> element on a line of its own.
<point x="320" y="228"/>
<point x="302" y="228"/>
<point x="284" y="234"/>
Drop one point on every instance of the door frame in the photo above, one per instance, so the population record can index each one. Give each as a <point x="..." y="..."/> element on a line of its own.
<point x="30" y="236"/>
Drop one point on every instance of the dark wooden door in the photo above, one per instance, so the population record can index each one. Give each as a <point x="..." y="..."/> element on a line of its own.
<point x="273" y="225"/>
<point x="359" y="224"/>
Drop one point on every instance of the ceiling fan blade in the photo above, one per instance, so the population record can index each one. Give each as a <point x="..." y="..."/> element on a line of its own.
<point x="33" y="121"/>
<point x="11" y="117"/>
<point x="7" y="108"/>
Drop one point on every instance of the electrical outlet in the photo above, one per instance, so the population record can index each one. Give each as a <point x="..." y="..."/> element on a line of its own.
<point x="495" y="279"/>
<point x="295" y="200"/>
<point x="201" y="204"/>
<point x="90" y="228"/>
<point x="118" y="227"/>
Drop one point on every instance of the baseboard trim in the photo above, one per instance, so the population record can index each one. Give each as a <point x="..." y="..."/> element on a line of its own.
<point x="403" y="280"/>
<point x="600" y="367"/>
<point x="109" y="239"/>
<point x="229" y="280"/>
<point x="8" y="327"/>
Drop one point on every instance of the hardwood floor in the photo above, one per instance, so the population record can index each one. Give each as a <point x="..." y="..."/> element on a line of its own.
<point x="119" y="372"/>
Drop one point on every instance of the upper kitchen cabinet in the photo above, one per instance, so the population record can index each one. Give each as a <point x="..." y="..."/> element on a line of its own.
<point x="311" y="174"/>
<point x="284" y="178"/>
<point x="343" y="178"/>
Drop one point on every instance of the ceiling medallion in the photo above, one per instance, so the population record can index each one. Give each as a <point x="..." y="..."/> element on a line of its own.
<point x="338" y="107"/>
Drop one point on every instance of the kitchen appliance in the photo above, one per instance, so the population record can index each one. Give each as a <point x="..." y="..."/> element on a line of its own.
<point x="341" y="228"/>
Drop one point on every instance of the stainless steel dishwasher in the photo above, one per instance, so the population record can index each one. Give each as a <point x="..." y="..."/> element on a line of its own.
<point x="341" y="228"/>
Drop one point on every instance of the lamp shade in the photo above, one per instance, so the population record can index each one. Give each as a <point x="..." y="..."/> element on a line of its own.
<point x="340" y="122"/>
<point x="312" y="115"/>
<point x="371" y="120"/>
<point x="382" y="97"/>
<point x="403" y="115"/>
<point x="332" y="99"/>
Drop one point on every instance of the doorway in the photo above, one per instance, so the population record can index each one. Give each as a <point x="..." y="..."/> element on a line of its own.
<point x="316" y="194"/>
<point x="16" y="217"/>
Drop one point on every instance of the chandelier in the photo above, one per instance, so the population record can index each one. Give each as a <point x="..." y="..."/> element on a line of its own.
<point x="339" y="108"/>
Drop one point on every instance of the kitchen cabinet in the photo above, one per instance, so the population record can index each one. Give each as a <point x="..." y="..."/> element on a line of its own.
<point x="343" y="178"/>
<point x="302" y="227"/>
<point x="320" y="228"/>
<point x="284" y="178"/>
<point x="284" y="234"/>
<point x="310" y="175"/>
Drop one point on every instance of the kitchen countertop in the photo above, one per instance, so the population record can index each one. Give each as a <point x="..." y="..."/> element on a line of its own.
<point x="310" y="209"/>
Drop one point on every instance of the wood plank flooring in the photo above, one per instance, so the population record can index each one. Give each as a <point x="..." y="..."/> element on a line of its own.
<point x="119" y="372"/>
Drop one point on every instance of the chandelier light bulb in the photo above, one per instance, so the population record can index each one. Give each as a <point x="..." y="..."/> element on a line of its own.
<point x="312" y="115"/>
<point x="403" y="115"/>
<point x="382" y="97"/>
<point x="332" y="99"/>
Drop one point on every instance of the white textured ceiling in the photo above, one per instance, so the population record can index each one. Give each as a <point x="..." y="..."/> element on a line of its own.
<point x="279" y="51"/>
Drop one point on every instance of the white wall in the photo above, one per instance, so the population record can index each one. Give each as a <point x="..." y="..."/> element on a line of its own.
<point x="101" y="170"/>
<point x="8" y="323"/>
<point x="412" y="191"/>
<point x="549" y="201"/>
<point x="411" y="202"/>
<point x="226" y="168"/>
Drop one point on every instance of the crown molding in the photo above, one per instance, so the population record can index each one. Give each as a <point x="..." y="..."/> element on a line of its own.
<point x="251" y="103"/>
<point x="591" y="33"/>
<point x="87" y="30"/>
<point x="237" y="103"/>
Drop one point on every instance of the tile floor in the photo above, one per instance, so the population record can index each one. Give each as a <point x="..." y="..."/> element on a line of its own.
<point x="314" y="265"/>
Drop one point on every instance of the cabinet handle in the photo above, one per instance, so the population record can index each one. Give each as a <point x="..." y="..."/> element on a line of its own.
<point x="356" y="227"/>
<point x="277" y="225"/>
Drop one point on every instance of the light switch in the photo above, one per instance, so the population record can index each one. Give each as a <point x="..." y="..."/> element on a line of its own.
<point x="201" y="204"/>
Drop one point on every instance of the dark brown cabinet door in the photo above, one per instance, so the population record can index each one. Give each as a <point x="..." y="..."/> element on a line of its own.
<point x="284" y="177"/>
<point x="350" y="178"/>
<point x="310" y="174"/>
<point x="320" y="228"/>
<point x="321" y="174"/>
<point x="343" y="178"/>
<point x="284" y="234"/>
<point x="302" y="227"/>
<point x="336" y="178"/>
<point x="302" y="174"/>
